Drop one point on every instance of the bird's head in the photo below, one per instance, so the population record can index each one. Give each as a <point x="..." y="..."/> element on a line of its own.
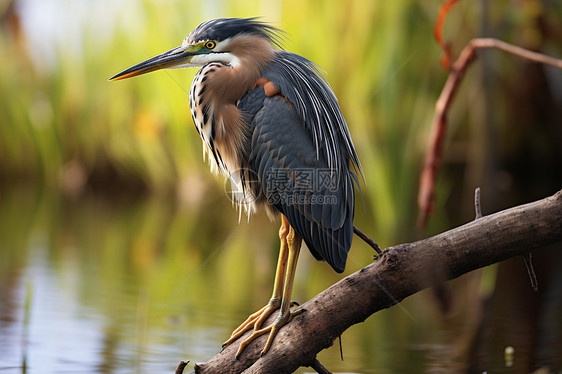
<point x="225" y="40"/>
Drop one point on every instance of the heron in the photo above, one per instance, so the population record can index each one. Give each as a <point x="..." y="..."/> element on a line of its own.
<point x="271" y="124"/>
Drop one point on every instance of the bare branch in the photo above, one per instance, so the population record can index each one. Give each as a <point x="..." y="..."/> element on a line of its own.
<point x="367" y="240"/>
<point x="320" y="369"/>
<point x="426" y="194"/>
<point x="400" y="271"/>
<point x="531" y="271"/>
<point x="482" y="43"/>
<point x="477" y="203"/>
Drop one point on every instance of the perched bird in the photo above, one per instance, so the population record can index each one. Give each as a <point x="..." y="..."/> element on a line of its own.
<point x="271" y="124"/>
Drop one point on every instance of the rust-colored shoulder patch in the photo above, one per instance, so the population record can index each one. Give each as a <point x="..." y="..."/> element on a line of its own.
<point x="268" y="86"/>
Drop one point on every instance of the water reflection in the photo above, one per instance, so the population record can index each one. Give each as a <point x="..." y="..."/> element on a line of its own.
<point x="110" y="286"/>
<point x="122" y="284"/>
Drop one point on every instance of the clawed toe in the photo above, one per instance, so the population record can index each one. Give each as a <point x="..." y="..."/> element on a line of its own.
<point x="256" y="320"/>
<point x="272" y="329"/>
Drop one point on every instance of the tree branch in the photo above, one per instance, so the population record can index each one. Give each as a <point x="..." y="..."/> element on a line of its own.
<point x="426" y="193"/>
<point x="400" y="271"/>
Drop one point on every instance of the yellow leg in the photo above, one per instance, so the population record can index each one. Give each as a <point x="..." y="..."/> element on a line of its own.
<point x="256" y="320"/>
<point x="285" y="316"/>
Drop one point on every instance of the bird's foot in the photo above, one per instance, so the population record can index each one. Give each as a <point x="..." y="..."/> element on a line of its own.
<point x="256" y="320"/>
<point x="272" y="329"/>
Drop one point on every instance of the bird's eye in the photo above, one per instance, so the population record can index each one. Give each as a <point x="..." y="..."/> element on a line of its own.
<point x="210" y="44"/>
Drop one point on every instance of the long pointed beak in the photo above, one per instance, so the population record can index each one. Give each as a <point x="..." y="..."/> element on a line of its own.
<point x="173" y="58"/>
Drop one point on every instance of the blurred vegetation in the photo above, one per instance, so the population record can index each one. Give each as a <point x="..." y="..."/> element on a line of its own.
<point x="63" y="125"/>
<point x="75" y="149"/>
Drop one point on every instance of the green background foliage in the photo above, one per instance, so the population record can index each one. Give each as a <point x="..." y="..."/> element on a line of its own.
<point x="106" y="180"/>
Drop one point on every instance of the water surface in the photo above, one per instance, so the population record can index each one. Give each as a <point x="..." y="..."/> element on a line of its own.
<point x="136" y="284"/>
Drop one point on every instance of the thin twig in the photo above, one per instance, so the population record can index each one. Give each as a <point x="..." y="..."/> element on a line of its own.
<point x="482" y="43"/>
<point x="341" y="348"/>
<point x="367" y="240"/>
<point x="531" y="271"/>
<point x="477" y="204"/>
<point x="181" y="366"/>
<point x="316" y="365"/>
<point x="426" y="194"/>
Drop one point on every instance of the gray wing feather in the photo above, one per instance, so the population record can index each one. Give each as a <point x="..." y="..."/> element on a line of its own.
<point x="283" y="157"/>
<point x="299" y="132"/>
<point x="301" y="82"/>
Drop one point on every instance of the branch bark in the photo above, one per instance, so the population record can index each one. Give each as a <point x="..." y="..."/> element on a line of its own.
<point x="400" y="271"/>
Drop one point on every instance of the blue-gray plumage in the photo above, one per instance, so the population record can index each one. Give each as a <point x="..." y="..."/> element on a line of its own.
<point x="296" y="180"/>
<point x="271" y="124"/>
<point x="313" y="136"/>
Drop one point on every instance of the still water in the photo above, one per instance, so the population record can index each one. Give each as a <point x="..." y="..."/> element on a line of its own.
<point x="134" y="285"/>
